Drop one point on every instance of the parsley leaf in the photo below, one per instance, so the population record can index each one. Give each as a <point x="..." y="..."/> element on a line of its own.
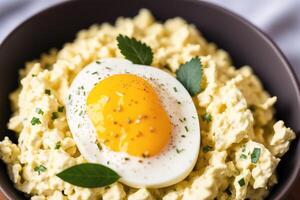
<point x="207" y="148"/>
<point x="255" y="155"/>
<point x="190" y="76"/>
<point x="40" y="168"/>
<point x="241" y="182"/>
<point x="47" y="91"/>
<point x="39" y="111"/>
<point x="61" y="109"/>
<point x="58" y="145"/>
<point x="135" y="51"/>
<point x="179" y="150"/>
<point x="54" y="115"/>
<point x="35" y="121"/>
<point x="89" y="175"/>
<point x="99" y="146"/>
<point x="207" y="117"/>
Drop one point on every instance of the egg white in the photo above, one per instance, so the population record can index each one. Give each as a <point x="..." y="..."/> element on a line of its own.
<point x="167" y="168"/>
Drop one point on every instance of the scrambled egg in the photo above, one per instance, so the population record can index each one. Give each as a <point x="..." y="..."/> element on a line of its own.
<point x="241" y="141"/>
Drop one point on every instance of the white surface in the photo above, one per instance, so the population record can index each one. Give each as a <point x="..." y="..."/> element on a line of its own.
<point x="280" y="19"/>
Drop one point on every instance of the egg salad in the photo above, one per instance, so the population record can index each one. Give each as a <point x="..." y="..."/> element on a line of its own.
<point x="142" y="110"/>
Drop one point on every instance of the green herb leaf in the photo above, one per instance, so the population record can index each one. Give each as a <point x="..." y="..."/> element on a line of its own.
<point x="135" y="51"/>
<point x="207" y="117"/>
<point x="39" y="111"/>
<point x="61" y="109"/>
<point x="35" y="121"/>
<point x="58" y="145"/>
<point x="179" y="150"/>
<point x="207" y="148"/>
<point x="186" y="129"/>
<point x="241" y="182"/>
<point x="89" y="175"/>
<point x="255" y="155"/>
<point x="99" y="146"/>
<point x="40" y="168"/>
<point x="190" y="76"/>
<point x="54" y="115"/>
<point x="243" y="156"/>
<point x="48" y="92"/>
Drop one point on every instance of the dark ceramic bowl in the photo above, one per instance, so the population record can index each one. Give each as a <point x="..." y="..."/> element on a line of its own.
<point x="245" y="43"/>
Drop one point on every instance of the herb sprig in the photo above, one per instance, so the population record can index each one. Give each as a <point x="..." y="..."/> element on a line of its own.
<point x="189" y="74"/>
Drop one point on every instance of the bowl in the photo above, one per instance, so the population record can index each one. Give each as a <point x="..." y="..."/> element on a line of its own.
<point x="245" y="43"/>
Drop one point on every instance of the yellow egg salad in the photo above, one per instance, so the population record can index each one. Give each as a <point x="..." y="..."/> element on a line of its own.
<point x="86" y="104"/>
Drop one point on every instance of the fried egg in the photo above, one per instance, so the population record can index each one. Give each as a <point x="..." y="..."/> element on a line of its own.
<point x="137" y="120"/>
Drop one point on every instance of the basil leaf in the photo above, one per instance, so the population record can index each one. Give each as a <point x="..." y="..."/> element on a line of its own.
<point x="89" y="175"/>
<point x="135" y="51"/>
<point x="190" y="76"/>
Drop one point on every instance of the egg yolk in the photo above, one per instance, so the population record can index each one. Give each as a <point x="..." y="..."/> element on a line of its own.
<point x="128" y="115"/>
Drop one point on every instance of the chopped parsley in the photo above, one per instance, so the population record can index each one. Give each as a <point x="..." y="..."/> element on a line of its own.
<point x="61" y="109"/>
<point x="39" y="111"/>
<point x="35" y="121"/>
<point x="241" y="182"/>
<point x="54" y="115"/>
<point x="207" y="148"/>
<point x="99" y="146"/>
<point x="179" y="150"/>
<point x="255" y="155"/>
<point x="58" y="145"/>
<point x="47" y="91"/>
<point x="98" y="62"/>
<point x="243" y="156"/>
<point x="186" y="129"/>
<point x="40" y="168"/>
<point x="175" y="89"/>
<point x="207" y="117"/>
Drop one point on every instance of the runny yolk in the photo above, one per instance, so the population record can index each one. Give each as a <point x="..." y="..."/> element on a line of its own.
<point x="128" y="115"/>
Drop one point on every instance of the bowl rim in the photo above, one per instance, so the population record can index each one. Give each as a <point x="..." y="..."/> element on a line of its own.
<point x="266" y="38"/>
